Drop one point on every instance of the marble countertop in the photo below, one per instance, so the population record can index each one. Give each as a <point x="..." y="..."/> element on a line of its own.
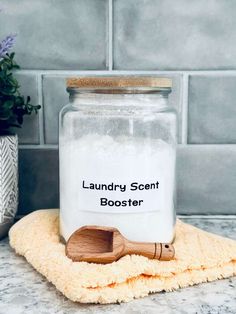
<point x="24" y="291"/>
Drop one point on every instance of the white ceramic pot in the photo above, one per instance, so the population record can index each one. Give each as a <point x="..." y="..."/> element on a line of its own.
<point x="8" y="182"/>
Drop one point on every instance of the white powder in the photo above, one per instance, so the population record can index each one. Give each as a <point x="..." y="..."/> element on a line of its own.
<point x="98" y="180"/>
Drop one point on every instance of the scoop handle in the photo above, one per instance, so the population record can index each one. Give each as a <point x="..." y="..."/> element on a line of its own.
<point x="158" y="251"/>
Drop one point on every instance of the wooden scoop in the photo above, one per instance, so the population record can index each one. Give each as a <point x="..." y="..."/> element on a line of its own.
<point x="105" y="245"/>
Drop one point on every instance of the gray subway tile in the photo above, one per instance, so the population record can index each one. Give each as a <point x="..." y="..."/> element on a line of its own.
<point x="57" y="34"/>
<point x="38" y="179"/>
<point x="212" y="109"/>
<point x="55" y="97"/>
<point x="166" y="34"/>
<point x="29" y="132"/>
<point x="206" y="179"/>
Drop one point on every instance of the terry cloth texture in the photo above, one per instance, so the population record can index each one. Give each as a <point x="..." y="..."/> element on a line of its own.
<point x="200" y="257"/>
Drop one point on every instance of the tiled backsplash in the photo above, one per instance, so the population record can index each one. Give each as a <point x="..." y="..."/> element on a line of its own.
<point x="191" y="42"/>
<point x="174" y="35"/>
<point x="55" y="35"/>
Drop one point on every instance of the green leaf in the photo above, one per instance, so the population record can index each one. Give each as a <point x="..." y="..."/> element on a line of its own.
<point x="13" y="106"/>
<point x="8" y="104"/>
<point x="12" y="55"/>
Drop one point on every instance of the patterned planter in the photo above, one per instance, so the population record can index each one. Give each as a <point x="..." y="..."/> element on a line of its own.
<point x="8" y="182"/>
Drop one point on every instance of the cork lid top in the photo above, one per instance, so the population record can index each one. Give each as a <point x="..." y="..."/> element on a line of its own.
<point x="120" y="83"/>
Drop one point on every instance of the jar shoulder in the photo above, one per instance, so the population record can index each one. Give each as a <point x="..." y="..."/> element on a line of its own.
<point x="67" y="109"/>
<point x="116" y="109"/>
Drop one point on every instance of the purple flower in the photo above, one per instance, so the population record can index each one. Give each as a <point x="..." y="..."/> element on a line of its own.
<point x="6" y="44"/>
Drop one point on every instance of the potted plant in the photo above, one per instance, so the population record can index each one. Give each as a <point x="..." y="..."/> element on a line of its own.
<point x="13" y="106"/>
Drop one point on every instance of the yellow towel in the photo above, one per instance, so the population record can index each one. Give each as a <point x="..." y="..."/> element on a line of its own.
<point x="200" y="257"/>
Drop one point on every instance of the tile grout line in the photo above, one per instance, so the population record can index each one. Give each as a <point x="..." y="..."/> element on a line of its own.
<point x="117" y="72"/>
<point x="184" y="130"/>
<point x="199" y="216"/>
<point x="110" y="35"/>
<point x="41" y="111"/>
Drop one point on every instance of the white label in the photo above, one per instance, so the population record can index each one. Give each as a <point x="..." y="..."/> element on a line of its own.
<point x="119" y="197"/>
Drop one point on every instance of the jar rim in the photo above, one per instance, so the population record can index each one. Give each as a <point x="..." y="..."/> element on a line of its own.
<point x="119" y="85"/>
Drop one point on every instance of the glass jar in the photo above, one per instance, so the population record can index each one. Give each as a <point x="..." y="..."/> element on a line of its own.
<point x="117" y="144"/>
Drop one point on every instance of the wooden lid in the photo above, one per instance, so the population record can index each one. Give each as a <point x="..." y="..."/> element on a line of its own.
<point x="119" y="82"/>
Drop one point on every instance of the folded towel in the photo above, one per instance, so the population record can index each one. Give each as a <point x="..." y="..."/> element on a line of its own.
<point x="200" y="257"/>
